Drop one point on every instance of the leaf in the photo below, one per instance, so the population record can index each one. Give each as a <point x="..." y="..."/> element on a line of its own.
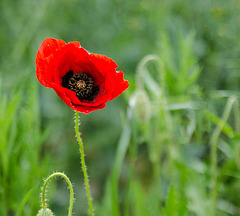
<point x="174" y="206"/>
<point x="25" y="199"/>
<point x="227" y="129"/>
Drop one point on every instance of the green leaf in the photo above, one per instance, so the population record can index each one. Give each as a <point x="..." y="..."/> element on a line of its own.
<point x="174" y="205"/>
<point x="25" y="199"/>
<point x="227" y="129"/>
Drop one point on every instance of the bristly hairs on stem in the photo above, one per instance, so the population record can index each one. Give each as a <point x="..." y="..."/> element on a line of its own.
<point x="45" y="210"/>
<point x="84" y="167"/>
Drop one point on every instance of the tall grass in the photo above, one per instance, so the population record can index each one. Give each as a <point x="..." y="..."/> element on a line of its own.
<point x="175" y="148"/>
<point x="22" y="166"/>
<point x="183" y="137"/>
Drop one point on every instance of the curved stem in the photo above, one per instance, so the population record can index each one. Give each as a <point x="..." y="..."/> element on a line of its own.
<point x="140" y="70"/>
<point x="213" y="143"/>
<point x="44" y="204"/>
<point x="84" y="167"/>
<point x="163" y="113"/>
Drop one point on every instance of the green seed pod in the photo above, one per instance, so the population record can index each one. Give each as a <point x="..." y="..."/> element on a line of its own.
<point x="45" y="212"/>
<point x="142" y="106"/>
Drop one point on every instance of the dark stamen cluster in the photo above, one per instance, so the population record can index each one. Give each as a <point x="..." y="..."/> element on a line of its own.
<point x="82" y="84"/>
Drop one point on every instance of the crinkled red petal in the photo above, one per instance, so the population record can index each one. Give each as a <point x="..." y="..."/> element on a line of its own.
<point x="55" y="58"/>
<point x="45" y="59"/>
<point x="121" y="84"/>
<point x="114" y="84"/>
<point x="69" y="97"/>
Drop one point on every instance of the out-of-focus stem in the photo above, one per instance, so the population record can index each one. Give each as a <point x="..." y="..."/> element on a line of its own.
<point x="213" y="143"/>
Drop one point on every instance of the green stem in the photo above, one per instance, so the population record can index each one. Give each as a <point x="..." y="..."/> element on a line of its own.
<point x="237" y="116"/>
<point x="44" y="204"/>
<point x="140" y="69"/>
<point x="84" y="167"/>
<point x="213" y="143"/>
<point x="164" y="115"/>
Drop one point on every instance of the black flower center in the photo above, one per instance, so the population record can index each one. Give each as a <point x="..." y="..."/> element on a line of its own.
<point x="82" y="84"/>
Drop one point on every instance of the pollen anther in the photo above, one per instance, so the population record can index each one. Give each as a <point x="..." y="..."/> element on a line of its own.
<point x="82" y="84"/>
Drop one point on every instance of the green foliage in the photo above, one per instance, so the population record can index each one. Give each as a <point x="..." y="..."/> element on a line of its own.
<point x="180" y="61"/>
<point x="189" y="137"/>
<point x="25" y="199"/>
<point x="175" y="206"/>
<point x="21" y="168"/>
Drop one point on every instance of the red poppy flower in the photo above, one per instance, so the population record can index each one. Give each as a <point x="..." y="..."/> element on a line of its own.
<point x="85" y="82"/>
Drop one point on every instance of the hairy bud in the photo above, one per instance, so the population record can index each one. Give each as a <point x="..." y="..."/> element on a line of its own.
<point x="142" y="106"/>
<point x="45" y="212"/>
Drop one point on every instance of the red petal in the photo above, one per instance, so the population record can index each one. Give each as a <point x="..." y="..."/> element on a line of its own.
<point x="74" y="43"/>
<point x="86" y="109"/>
<point x="106" y="67"/>
<point x="45" y="55"/>
<point x="55" y="58"/>
<point x="121" y="84"/>
<point x="70" y="98"/>
<point x="102" y="61"/>
<point x="45" y="52"/>
<point x="113" y="84"/>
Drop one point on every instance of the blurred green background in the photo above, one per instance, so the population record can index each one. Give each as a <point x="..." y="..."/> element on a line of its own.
<point x="181" y="129"/>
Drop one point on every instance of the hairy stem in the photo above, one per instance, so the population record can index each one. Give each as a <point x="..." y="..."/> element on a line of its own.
<point x="84" y="167"/>
<point x="44" y="204"/>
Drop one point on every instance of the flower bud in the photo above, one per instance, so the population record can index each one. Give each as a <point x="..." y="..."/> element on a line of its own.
<point x="45" y="212"/>
<point x="142" y="107"/>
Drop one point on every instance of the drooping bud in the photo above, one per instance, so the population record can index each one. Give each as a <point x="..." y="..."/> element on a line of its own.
<point x="45" y="212"/>
<point x="142" y="106"/>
